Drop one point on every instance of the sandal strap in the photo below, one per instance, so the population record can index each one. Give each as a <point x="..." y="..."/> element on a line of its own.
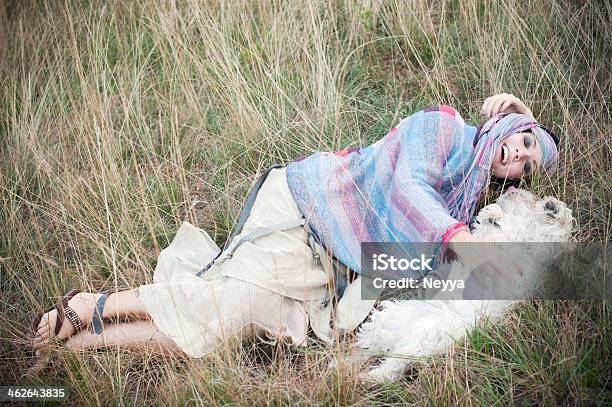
<point x="59" y="321"/>
<point x="61" y="308"/>
<point x="96" y="319"/>
<point x="74" y="319"/>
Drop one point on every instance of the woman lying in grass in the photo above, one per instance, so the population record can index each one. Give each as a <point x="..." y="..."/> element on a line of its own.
<point x="420" y="183"/>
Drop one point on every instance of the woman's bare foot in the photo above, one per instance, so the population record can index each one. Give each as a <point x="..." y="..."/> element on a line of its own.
<point x="82" y="303"/>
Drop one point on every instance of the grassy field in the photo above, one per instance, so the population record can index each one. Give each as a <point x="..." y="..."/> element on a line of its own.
<point x="121" y="120"/>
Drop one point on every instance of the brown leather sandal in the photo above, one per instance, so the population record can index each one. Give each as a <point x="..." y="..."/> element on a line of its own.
<point x="39" y="358"/>
<point x="63" y="312"/>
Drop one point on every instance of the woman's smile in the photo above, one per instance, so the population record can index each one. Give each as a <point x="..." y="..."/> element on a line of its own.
<point x="504" y="154"/>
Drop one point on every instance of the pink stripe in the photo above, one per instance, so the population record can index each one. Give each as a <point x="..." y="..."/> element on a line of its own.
<point x="348" y="199"/>
<point x="403" y="203"/>
<point x="448" y="109"/>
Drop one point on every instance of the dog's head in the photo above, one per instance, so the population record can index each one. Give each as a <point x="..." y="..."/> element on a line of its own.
<point x="496" y="217"/>
<point x="518" y="214"/>
<point x="517" y="201"/>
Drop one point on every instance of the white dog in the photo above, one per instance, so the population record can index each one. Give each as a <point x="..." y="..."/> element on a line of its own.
<point x="417" y="328"/>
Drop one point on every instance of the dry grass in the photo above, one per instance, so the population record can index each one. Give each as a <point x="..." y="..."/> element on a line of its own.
<point x="120" y="120"/>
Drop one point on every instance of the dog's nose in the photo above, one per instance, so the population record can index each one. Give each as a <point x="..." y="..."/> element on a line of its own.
<point x="511" y="190"/>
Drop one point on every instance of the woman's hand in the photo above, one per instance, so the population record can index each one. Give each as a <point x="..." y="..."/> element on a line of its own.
<point x="503" y="103"/>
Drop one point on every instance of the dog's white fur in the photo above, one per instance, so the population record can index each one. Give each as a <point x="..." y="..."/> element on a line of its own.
<point x="418" y="328"/>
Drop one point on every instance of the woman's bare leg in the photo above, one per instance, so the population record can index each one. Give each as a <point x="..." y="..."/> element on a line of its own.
<point x="125" y="303"/>
<point x="122" y="303"/>
<point x="139" y="335"/>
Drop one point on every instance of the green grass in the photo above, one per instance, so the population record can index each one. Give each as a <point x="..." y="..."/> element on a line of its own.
<point x="121" y="120"/>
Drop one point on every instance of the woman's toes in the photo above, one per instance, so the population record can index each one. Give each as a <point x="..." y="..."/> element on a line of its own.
<point x="41" y="338"/>
<point x="43" y="330"/>
<point x="43" y="326"/>
<point x="38" y="344"/>
<point x="43" y="333"/>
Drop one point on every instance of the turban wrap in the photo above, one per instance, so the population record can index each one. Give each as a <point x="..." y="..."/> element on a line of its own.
<point x="462" y="201"/>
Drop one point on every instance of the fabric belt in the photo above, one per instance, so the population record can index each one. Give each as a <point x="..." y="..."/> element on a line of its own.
<point x="263" y="231"/>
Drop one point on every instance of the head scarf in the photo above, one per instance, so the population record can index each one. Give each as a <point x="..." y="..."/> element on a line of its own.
<point x="462" y="201"/>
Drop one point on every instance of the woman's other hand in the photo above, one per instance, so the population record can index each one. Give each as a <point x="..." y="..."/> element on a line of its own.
<point x="503" y="103"/>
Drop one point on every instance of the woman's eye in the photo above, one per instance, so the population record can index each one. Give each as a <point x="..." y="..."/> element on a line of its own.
<point x="527" y="141"/>
<point x="527" y="168"/>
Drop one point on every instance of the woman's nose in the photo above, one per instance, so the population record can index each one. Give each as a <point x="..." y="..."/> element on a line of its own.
<point x="520" y="154"/>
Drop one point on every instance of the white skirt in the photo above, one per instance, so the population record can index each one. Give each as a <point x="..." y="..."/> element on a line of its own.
<point x="268" y="287"/>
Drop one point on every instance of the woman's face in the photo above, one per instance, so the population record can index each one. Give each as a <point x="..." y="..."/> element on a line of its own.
<point x="517" y="156"/>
